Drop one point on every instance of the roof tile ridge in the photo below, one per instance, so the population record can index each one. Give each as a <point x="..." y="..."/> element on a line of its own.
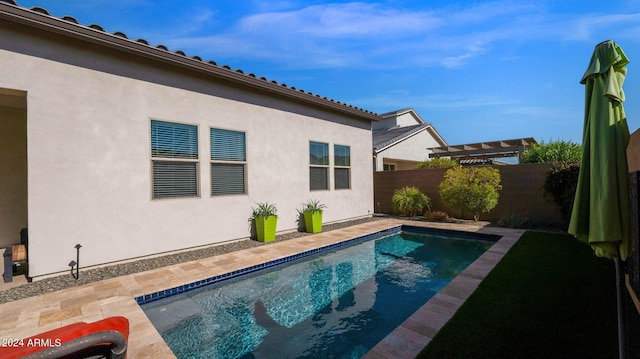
<point x="122" y="35"/>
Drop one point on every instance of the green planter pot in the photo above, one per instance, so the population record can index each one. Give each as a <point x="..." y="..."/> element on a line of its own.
<point x="266" y="228"/>
<point x="313" y="221"/>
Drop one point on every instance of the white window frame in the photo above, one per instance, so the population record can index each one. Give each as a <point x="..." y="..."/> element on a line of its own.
<point x="314" y="165"/>
<point x="241" y="161"/>
<point x="341" y="166"/>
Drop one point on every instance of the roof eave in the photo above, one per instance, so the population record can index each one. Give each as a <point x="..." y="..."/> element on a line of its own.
<point x="400" y="139"/>
<point x="50" y="23"/>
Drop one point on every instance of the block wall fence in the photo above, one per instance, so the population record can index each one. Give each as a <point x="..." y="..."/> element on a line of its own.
<point x="633" y="262"/>
<point x="522" y="192"/>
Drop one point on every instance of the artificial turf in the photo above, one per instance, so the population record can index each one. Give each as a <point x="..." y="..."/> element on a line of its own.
<point x="549" y="297"/>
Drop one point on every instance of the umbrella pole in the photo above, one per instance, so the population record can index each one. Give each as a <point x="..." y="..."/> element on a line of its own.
<point x="622" y="325"/>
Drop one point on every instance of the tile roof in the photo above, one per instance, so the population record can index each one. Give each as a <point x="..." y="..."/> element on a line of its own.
<point x="97" y="33"/>
<point x="386" y="137"/>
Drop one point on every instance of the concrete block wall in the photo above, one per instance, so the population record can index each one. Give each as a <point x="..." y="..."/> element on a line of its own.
<point x="522" y="192"/>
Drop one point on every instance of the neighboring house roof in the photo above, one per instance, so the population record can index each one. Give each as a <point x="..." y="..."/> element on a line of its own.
<point x="395" y="127"/>
<point x="401" y="112"/>
<point x="39" y="17"/>
<point x="385" y="138"/>
<point x="482" y="150"/>
<point x="482" y="162"/>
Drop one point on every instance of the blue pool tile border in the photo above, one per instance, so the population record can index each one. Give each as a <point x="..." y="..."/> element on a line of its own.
<point x="148" y="298"/>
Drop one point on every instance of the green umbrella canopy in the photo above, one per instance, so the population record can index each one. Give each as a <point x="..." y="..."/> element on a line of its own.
<point x="600" y="215"/>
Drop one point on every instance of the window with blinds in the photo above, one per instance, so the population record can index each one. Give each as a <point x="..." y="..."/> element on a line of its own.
<point x="342" y="166"/>
<point x="228" y="162"/>
<point x="319" y="165"/>
<point x="174" y="158"/>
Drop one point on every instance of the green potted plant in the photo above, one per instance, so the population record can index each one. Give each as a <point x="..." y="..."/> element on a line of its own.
<point x="312" y="212"/>
<point x="266" y="220"/>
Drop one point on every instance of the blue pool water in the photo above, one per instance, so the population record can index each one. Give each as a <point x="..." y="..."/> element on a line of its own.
<point x="336" y="304"/>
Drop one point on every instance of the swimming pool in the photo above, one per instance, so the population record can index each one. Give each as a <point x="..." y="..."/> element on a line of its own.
<point x="336" y="303"/>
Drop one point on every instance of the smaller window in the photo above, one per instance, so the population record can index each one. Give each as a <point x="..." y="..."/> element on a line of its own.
<point x="228" y="162"/>
<point x="342" y="164"/>
<point x="389" y="167"/>
<point x="319" y="165"/>
<point x="174" y="160"/>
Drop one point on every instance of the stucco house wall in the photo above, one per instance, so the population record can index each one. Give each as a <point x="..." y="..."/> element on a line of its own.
<point x="408" y="152"/>
<point x="87" y="127"/>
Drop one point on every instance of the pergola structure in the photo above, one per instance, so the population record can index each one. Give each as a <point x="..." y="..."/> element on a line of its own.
<point x="484" y="150"/>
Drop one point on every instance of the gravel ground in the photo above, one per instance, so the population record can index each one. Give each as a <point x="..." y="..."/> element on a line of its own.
<point x="92" y="275"/>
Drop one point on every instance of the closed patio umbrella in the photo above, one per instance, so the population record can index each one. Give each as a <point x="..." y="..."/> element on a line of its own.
<point x="600" y="215"/>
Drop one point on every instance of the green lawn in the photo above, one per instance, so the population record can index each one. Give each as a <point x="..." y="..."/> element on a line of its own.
<point x="549" y="297"/>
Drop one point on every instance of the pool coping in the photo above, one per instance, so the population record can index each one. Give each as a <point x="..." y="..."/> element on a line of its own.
<point x="415" y="333"/>
<point x="117" y="296"/>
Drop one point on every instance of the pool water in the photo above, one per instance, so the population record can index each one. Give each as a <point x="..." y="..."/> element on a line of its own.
<point x="336" y="304"/>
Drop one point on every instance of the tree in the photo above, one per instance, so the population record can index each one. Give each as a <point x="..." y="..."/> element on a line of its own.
<point x="473" y="189"/>
<point x="409" y="201"/>
<point x="561" y="183"/>
<point x="552" y="151"/>
<point x="438" y="162"/>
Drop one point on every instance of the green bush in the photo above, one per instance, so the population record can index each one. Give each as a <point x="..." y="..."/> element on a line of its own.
<point x="438" y="163"/>
<point x="409" y="201"/>
<point x="473" y="189"/>
<point x="561" y="183"/>
<point x="552" y="151"/>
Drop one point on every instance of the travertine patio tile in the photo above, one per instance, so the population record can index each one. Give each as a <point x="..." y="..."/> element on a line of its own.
<point x="462" y="286"/>
<point x="402" y="343"/>
<point x="386" y="350"/>
<point x="438" y="305"/>
<point x="420" y="327"/>
<point x="59" y="315"/>
<point x="77" y="301"/>
<point x="449" y="299"/>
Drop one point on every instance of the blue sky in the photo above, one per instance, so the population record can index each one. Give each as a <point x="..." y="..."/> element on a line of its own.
<point x="477" y="70"/>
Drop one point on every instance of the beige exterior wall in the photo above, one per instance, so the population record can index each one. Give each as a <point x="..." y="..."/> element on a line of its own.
<point x="408" y="153"/>
<point x="89" y="167"/>
<point x="13" y="174"/>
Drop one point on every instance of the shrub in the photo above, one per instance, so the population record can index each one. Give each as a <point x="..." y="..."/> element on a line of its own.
<point x="313" y="205"/>
<point x="264" y="209"/>
<point x="436" y="216"/>
<point x="552" y="151"/>
<point x="473" y="189"/>
<point x="561" y="183"/>
<point x="409" y="201"/>
<point x="438" y="163"/>
<point x="514" y="221"/>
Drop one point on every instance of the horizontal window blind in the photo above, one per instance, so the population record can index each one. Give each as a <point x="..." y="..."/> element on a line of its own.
<point x="318" y="178"/>
<point x="342" y="178"/>
<point x="175" y="179"/>
<point x="227" y="178"/>
<point x="173" y="140"/>
<point x="228" y="145"/>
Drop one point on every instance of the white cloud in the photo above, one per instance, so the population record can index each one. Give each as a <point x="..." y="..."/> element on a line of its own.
<point x="340" y="20"/>
<point x="358" y="34"/>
